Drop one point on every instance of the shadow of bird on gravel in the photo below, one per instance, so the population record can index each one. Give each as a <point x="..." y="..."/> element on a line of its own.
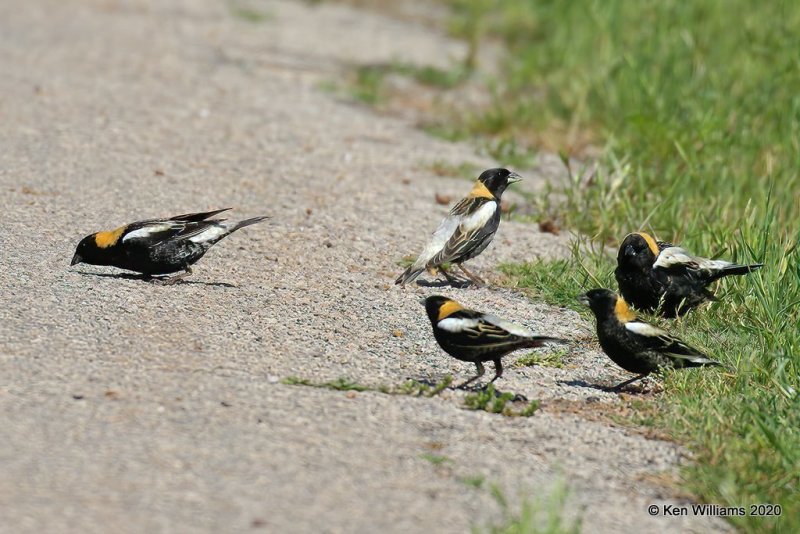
<point x="474" y="388"/>
<point x="460" y="284"/>
<point x="143" y="278"/>
<point x="608" y="389"/>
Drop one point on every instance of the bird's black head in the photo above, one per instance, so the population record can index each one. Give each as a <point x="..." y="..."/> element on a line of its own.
<point x="85" y="251"/>
<point x="94" y="248"/>
<point x="438" y="307"/>
<point x="494" y="182"/>
<point x="605" y="304"/>
<point x="638" y="251"/>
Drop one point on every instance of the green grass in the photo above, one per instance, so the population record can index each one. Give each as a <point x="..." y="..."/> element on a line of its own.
<point x="248" y="14"/>
<point x="487" y="399"/>
<point x="340" y="384"/>
<point x="368" y="81"/>
<point x="542" y="515"/>
<point x="410" y="387"/>
<point x="695" y="107"/>
<point x="435" y="459"/>
<point x="543" y="359"/>
<point x="493" y="401"/>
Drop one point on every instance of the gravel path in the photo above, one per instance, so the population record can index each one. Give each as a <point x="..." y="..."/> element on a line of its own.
<point x="130" y="407"/>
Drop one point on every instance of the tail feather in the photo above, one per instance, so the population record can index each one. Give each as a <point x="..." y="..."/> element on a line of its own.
<point x="248" y="222"/>
<point x="196" y="217"/>
<point x="734" y="270"/>
<point x="701" y="361"/>
<point x="686" y="356"/>
<point x="409" y="275"/>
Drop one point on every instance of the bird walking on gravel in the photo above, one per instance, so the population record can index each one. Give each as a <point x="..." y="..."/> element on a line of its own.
<point x="658" y="276"/>
<point x="472" y="336"/>
<point x="634" y="345"/>
<point x="158" y="246"/>
<point x="466" y="231"/>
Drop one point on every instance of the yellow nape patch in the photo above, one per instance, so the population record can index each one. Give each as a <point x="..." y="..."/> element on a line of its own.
<point x="449" y="308"/>
<point x="108" y="239"/>
<point x="650" y="243"/>
<point x="622" y="311"/>
<point x="480" y="190"/>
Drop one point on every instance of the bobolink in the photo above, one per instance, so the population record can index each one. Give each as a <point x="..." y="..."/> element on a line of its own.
<point x="658" y="276"/>
<point x="158" y="246"/>
<point x="472" y="336"/>
<point x="634" y="345"/>
<point x="466" y="231"/>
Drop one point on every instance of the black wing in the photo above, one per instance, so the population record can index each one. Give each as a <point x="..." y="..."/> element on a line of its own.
<point x="472" y="329"/>
<point x="653" y="338"/>
<point x="200" y="216"/>
<point x="471" y="232"/>
<point x="158" y="231"/>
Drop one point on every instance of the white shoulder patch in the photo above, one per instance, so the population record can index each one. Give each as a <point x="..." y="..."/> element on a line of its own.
<point x="480" y="217"/>
<point x="455" y="324"/>
<point x="508" y="326"/>
<point x="672" y="256"/>
<point x="146" y="232"/>
<point x="644" y="329"/>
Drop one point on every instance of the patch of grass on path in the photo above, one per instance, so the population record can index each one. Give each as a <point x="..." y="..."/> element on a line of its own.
<point x="545" y="514"/>
<point x="410" y="387"/>
<point x="488" y="399"/>
<point x="696" y="108"/>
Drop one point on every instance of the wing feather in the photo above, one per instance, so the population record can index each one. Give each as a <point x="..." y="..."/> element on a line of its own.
<point x="470" y="231"/>
<point x="655" y="338"/>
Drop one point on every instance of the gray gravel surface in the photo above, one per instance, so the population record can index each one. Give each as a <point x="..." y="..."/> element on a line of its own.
<point x="131" y="407"/>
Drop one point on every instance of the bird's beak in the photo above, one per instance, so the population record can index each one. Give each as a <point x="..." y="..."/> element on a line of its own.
<point x="514" y="178"/>
<point x="76" y="259"/>
<point x="583" y="299"/>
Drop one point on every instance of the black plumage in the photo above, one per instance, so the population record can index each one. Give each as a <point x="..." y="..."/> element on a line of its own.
<point x="655" y="276"/>
<point x="158" y="246"/>
<point x="634" y="345"/>
<point x="472" y="336"/>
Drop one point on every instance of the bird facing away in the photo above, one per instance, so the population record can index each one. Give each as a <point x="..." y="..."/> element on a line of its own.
<point x="658" y="276"/>
<point x="158" y="246"/>
<point x="472" y="336"/>
<point x="466" y="231"/>
<point x="634" y="345"/>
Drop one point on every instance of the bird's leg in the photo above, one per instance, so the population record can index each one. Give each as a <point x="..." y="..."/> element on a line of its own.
<point x="178" y="277"/>
<point x="618" y="387"/>
<point x="498" y="370"/>
<point x="477" y="280"/>
<point x="481" y="370"/>
<point x="453" y="280"/>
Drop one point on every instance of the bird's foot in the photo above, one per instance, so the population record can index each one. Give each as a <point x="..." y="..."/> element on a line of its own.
<point x="477" y="281"/>
<point x="172" y="280"/>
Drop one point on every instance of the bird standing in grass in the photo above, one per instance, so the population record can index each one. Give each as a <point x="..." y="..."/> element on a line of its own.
<point x="158" y="246"/>
<point x="467" y="230"/>
<point x="472" y="336"/>
<point x="634" y="345"/>
<point x="658" y="276"/>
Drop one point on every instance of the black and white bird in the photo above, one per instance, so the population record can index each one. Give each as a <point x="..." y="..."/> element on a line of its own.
<point x="158" y="246"/>
<point x="659" y="276"/>
<point x="634" y="345"/>
<point x="472" y="336"/>
<point x="466" y="231"/>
